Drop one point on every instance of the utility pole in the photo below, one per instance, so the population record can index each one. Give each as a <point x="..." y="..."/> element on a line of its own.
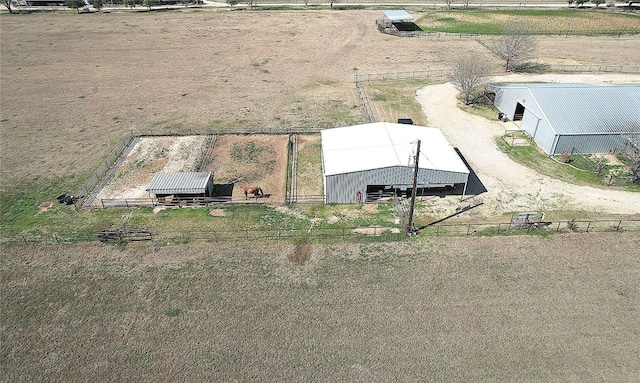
<point x="413" y="191"/>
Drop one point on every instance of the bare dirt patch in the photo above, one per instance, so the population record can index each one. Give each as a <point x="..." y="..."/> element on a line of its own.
<point x="252" y="160"/>
<point x="259" y="160"/>
<point x="45" y="206"/>
<point x="151" y="155"/>
<point x="217" y="213"/>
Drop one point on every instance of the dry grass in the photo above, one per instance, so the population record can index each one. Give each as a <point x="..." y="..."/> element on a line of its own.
<point x="560" y="308"/>
<point x="73" y="85"/>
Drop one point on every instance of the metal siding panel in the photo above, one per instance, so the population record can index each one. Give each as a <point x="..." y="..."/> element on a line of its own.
<point x="529" y="123"/>
<point x="342" y="188"/>
<point x="179" y="183"/>
<point x="591" y="143"/>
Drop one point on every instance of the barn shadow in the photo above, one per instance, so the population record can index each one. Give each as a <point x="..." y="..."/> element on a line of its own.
<point x="475" y="187"/>
<point x="407" y="26"/>
<point x="222" y="190"/>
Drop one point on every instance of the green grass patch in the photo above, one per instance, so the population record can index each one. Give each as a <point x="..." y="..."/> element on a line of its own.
<point x="532" y="157"/>
<point x="585" y="22"/>
<point x="396" y="99"/>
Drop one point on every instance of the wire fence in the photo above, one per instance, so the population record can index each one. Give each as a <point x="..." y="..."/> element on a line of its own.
<point x="344" y="233"/>
<point x="270" y="199"/>
<point x="440" y="74"/>
<point x="88" y="192"/>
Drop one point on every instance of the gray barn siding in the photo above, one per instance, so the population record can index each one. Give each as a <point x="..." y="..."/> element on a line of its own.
<point x="507" y="99"/>
<point x="590" y="143"/>
<point x="538" y="130"/>
<point x="342" y="188"/>
<point x="602" y="137"/>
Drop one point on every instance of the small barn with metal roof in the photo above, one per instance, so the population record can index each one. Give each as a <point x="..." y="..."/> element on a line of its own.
<point x="192" y="184"/>
<point x="366" y="159"/>
<point x="398" y="16"/>
<point x="565" y="117"/>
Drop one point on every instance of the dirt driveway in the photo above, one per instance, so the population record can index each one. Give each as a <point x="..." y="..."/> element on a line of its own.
<point x="511" y="186"/>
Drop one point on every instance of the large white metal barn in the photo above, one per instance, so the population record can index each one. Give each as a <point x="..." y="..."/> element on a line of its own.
<point x="564" y="117"/>
<point x="370" y="158"/>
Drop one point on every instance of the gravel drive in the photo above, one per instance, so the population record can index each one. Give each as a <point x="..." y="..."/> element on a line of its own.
<point x="511" y="186"/>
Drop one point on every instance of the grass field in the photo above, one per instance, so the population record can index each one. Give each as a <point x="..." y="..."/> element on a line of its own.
<point x="543" y="22"/>
<point x="561" y="308"/>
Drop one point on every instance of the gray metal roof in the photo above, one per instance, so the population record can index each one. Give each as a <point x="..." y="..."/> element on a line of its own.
<point x="179" y="183"/>
<point x="398" y="15"/>
<point x="588" y="109"/>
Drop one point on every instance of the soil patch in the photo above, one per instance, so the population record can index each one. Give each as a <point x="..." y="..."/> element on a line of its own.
<point x="150" y="155"/>
<point x="252" y="160"/>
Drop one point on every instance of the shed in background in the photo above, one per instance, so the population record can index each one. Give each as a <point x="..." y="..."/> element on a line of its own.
<point x="563" y="117"/>
<point x="398" y="16"/>
<point x="368" y="159"/>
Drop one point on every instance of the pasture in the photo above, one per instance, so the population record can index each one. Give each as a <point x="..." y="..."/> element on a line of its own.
<point x="74" y="85"/>
<point x="563" y="22"/>
<point x="526" y="308"/>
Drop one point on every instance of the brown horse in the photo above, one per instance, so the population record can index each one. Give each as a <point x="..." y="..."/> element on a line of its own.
<point x="255" y="190"/>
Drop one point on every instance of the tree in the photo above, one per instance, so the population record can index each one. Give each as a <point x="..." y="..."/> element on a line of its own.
<point x="232" y="2"/>
<point x="579" y="3"/>
<point x="149" y="3"/>
<point x="469" y="72"/>
<point x="570" y="2"/>
<point x="7" y="4"/>
<point x="449" y="2"/>
<point x="597" y="2"/>
<point x="97" y="4"/>
<point x="74" y="4"/>
<point x="129" y="3"/>
<point x="516" y="45"/>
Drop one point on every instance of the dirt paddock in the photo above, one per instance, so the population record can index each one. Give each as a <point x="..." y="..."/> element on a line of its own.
<point x="253" y="160"/>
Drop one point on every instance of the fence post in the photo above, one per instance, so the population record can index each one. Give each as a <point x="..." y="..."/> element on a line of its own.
<point x="498" y="230"/>
<point x="588" y="226"/>
<point x="619" y="225"/>
<point x="558" y="228"/>
<point x="24" y="239"/>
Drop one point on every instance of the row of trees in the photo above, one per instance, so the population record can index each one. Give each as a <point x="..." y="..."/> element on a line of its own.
<point x="514" y="47"/>
<point x="99" y="4"/>
<point x="580" y="3"/>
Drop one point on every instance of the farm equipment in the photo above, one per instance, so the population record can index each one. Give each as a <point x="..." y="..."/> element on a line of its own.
<point x="124" y="234"/>
<point x="68" y="199"/>
<point x="530" y="220"/>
